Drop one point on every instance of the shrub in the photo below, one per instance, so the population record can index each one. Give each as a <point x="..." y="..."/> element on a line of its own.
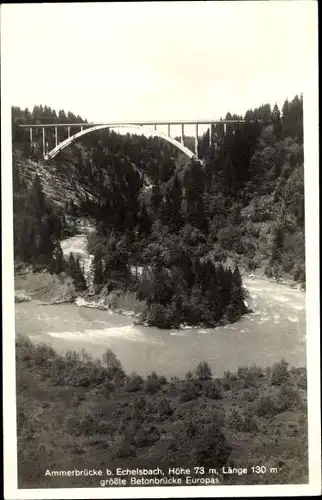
<point x="268" y="371"/>
<point x="152" y="406"/>
<point x="24" y="348"/>
<point x="255" y="370"/>
<point x="299" y="272"/>
<point x="113" y="366"/>
<point x="203" y="371"/>
<point x="252" y="264"/>
<point x="133" y="383"/>
<point x="42" y="355"/>
<point x="250" y="394"/>
<point x="228" y="379"/>
<point x="189" y="376"/>
<point x="268" y="406"/>
<point x="124" y="449"/>
<point x="87" y="421"/>
<point x="108" y="387"/>
<point x="71" y="371"/>
<point x="139" y="403"/>
<point x="280" y="373"/>
<point x="249" y="422"/>
<point x="212" y="449"/>
<point x="152" y="385"/>
<point x="190" y="428"/>
<point x="214" y="390"/>
<point x="288" y="397"/>
<point x="249" y="375"/>
<point x="146" y="436"/>
<point x="302" y="381"/>
<point x="165" y="408"/>
<point x="235" y="421"/>
<point x="226" y="384"/>
<point x="189" y="391"/>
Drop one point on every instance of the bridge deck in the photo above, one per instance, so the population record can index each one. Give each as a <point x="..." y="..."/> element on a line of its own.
<point x="141" y="123"/>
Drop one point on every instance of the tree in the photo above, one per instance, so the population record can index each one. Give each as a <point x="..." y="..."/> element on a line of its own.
<point x="46" y="244"/>
<point x="278" y="238"/>
<point x="277" y="123"/>
<point x="97" y="267"/>
<point x="236" y="304"/>
<point x="58" y="263"/>
<point x="144" y="222"/>
<point x="203" y="371"/>
<point x="37" y="198"/>
<point x="203" y="145"/>
<point x="79" y="279"/>
<point x="155" y="200"/>
<point x="170" y="209"/>
<point x="193" y="184"/>
<point x="166" y="169"/>
<point x="74" y="270"/>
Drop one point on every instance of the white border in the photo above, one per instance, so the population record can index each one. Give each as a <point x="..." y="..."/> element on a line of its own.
<point x="310" y="95"/>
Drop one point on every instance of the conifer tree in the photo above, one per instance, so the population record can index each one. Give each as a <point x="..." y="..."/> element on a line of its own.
<point x="193" y="184"/>
<point x="97" y="267"/>
<point x="71" y="266"/>
<point x="45" y="241"/>
<point x="58" y="263"/>
<point x="79" y="278"/>
<point x="170" y="209"/>
<point x="277" y="123"/>
<point x="37" y="198"/>
<point x="156" y="198"/>
<point x="144" y="222"/>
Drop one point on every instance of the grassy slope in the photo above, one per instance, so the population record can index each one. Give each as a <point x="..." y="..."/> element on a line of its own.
<point x="67" y="420"/>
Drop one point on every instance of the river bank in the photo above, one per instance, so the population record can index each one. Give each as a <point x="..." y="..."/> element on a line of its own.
<point x="53" y="290"/>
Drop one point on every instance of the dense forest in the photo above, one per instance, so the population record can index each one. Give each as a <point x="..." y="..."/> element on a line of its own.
<point x="176" y="219"/>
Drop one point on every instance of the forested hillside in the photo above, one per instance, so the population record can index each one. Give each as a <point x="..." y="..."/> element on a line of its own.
<point x="177" y="219"/>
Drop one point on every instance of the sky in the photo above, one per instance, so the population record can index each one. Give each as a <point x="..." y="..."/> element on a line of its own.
<point x="157" y="60"/>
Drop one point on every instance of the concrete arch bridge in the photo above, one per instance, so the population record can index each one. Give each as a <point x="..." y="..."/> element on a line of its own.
<point x="147" y="128"/>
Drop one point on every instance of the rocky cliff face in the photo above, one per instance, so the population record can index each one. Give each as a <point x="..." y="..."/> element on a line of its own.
<point x="61" y="180"/>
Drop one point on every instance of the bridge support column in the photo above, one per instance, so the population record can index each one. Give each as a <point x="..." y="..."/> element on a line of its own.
<point x="56" y="137"/>
<point x="81" y="128"/>
<point x="182" y="133"/>
<point x="196" y="140"/>
<point x="225" y="128"/>
<point x="30" y="134"/>
<point x="68" y="129"/>
<point x="169" y="130"/>
<point x="211" y="133"/>
<point x="43" y="142"/>
<point x="155" y="127"/>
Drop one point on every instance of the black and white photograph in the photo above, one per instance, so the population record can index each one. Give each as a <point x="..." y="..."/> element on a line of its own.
<point x="160" y="249"/>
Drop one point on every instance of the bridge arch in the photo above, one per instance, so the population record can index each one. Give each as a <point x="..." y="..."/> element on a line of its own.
<point x="152" y="132"/>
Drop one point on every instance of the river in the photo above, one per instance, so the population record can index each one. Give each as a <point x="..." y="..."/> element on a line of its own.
<point x="276" y="329"/>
